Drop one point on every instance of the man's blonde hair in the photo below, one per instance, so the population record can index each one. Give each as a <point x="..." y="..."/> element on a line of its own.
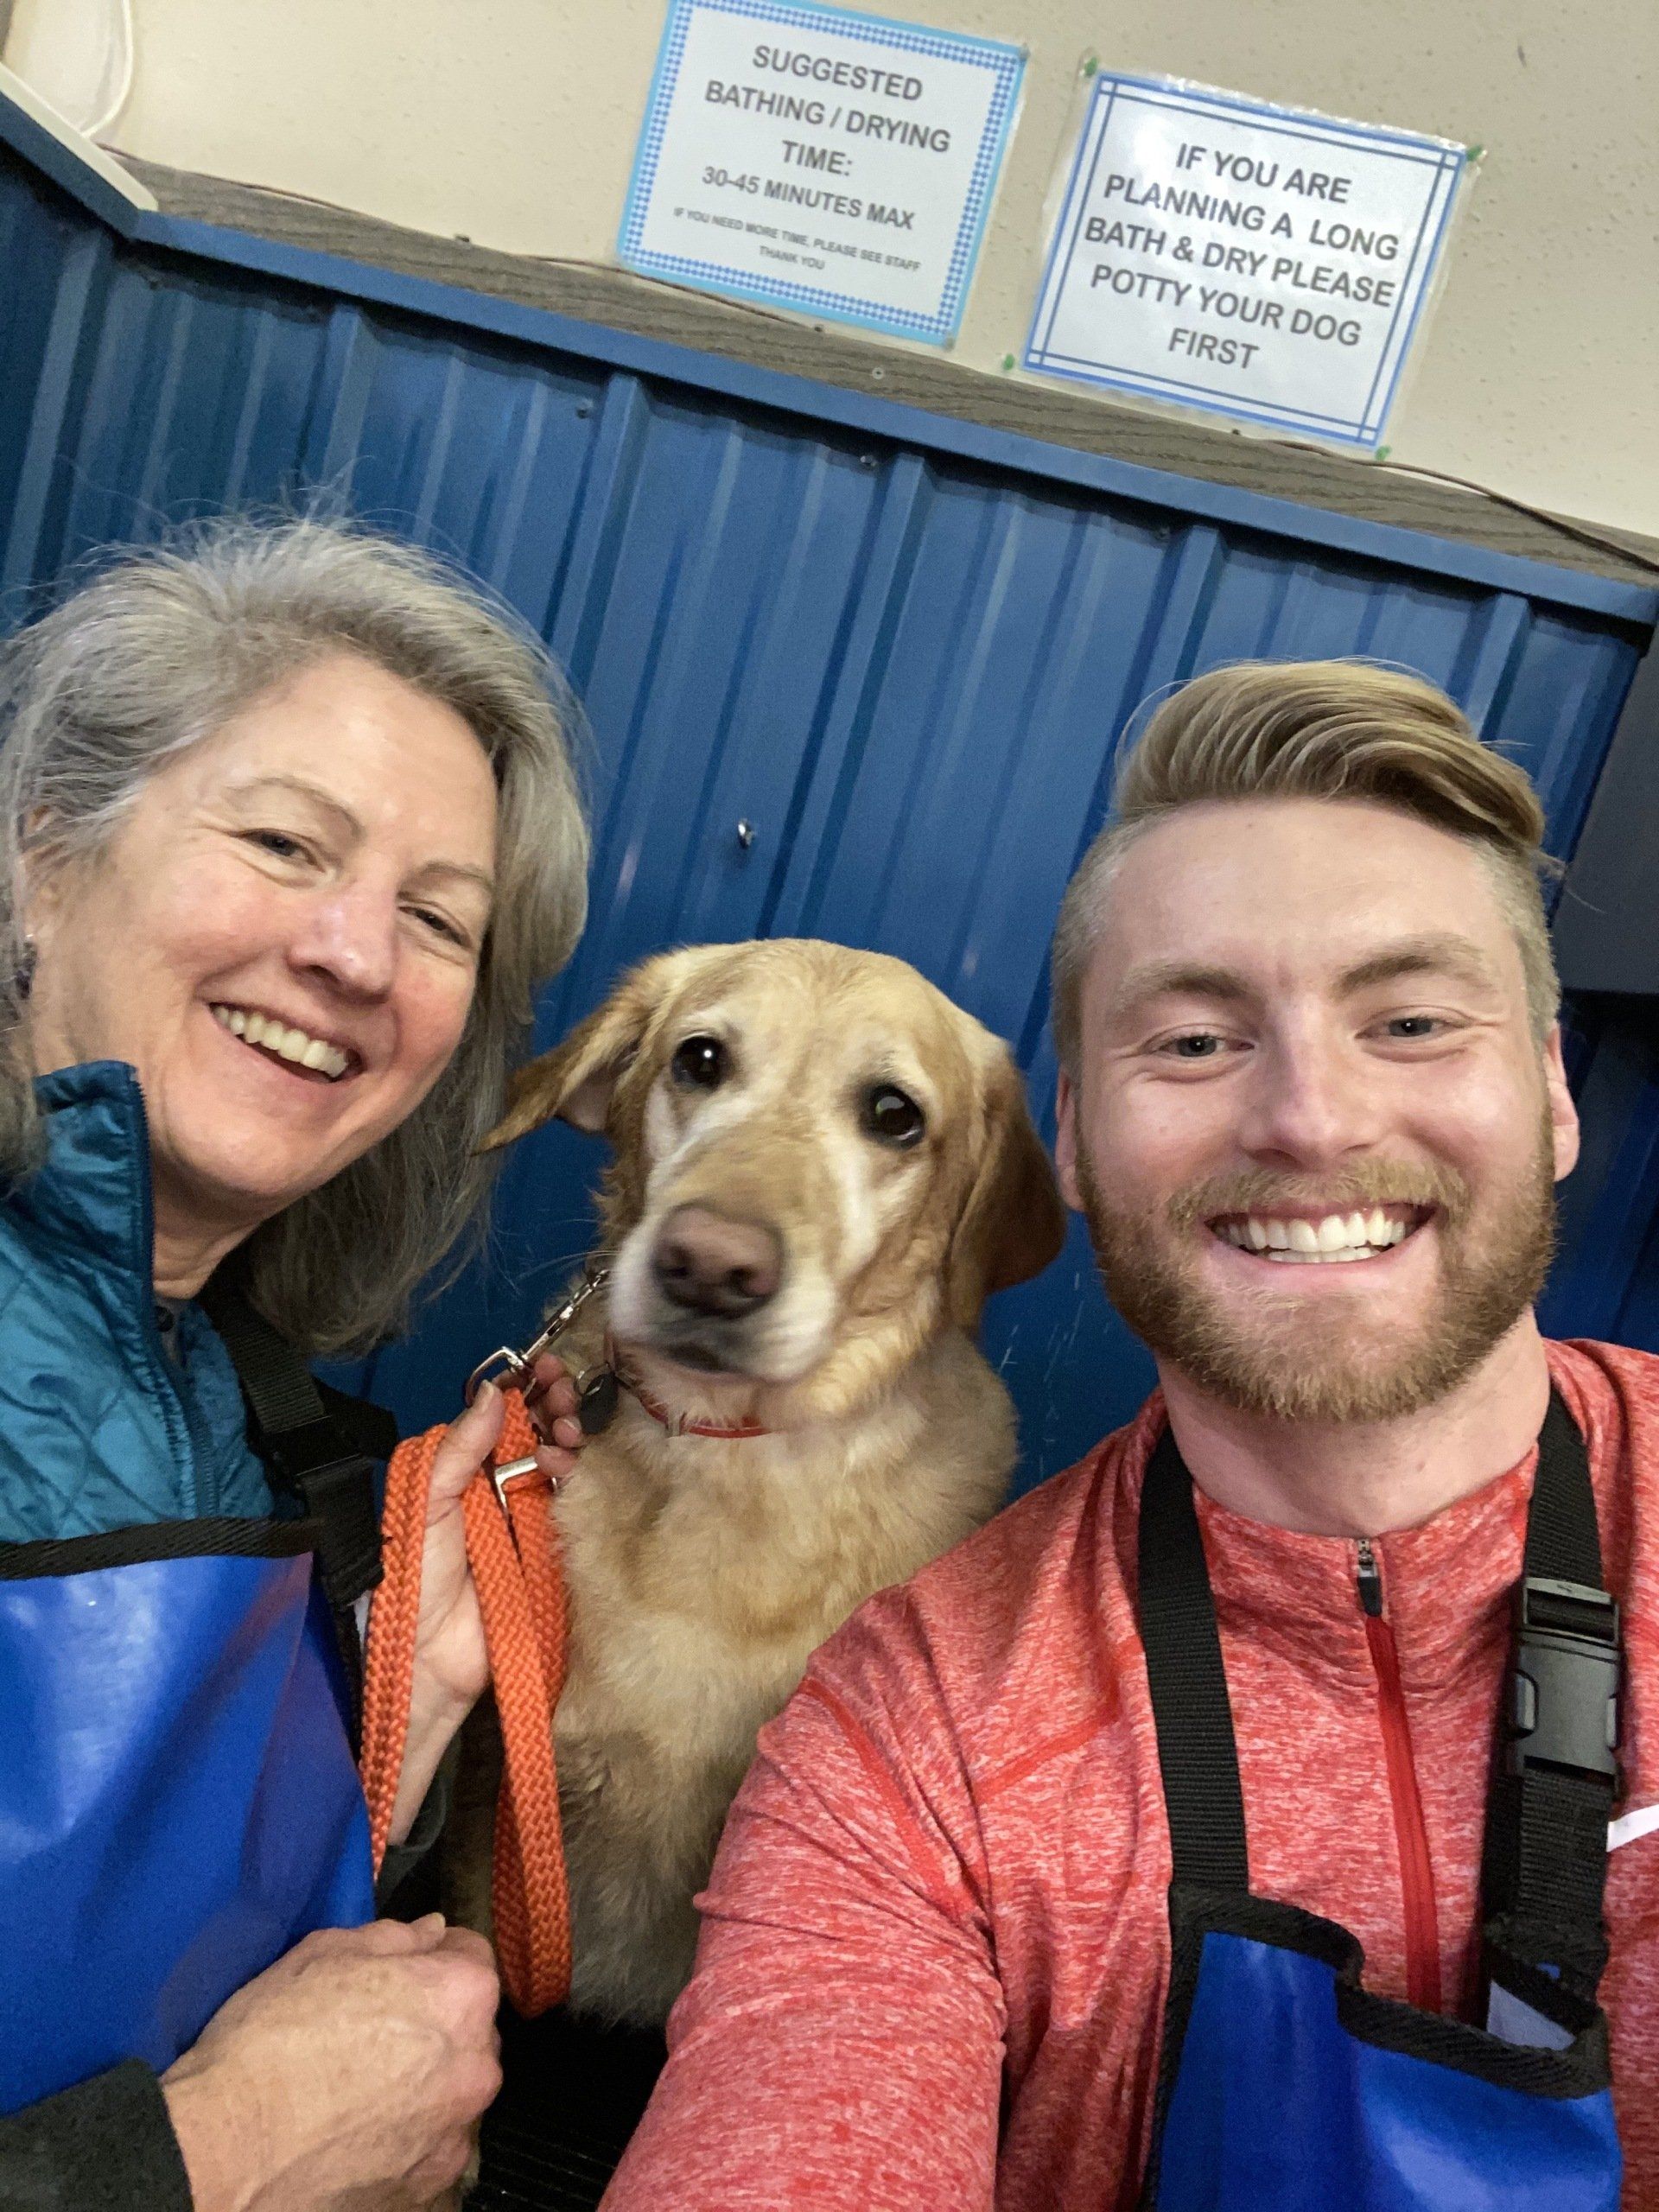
<point x="1332" y="730"/>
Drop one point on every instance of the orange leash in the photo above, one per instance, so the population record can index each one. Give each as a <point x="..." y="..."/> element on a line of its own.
<point x="521" y="1596"/>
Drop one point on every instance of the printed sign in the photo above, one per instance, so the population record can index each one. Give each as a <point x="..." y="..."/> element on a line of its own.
<point x="835" y="164"/>
<point x="1252" y="261"/>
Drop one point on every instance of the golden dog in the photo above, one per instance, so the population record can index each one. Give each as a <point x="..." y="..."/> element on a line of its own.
<point x="822" y="1168"/>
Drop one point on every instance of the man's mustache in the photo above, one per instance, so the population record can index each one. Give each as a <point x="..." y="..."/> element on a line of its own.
<point x="1354" y="1189"/>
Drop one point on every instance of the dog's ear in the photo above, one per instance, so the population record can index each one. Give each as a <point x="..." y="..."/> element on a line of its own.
<point x="577" y="1079"/>
<point x="1013" y="1223"/>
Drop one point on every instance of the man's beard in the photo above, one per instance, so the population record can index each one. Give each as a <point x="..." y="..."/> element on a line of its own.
<point x="1305" y="1359"/>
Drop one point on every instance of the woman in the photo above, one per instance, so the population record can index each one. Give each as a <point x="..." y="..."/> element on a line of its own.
<point x="289" y="835"/>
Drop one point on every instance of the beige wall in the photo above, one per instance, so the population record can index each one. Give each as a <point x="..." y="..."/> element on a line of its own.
<point x="513" y="122"/>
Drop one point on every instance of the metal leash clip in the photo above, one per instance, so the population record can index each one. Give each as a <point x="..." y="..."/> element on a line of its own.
<point x="503" y="1478"/>
<point x="513" y="1370"/>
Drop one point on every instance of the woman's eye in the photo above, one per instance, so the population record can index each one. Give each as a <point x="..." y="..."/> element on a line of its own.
<point x="701" y="1063"/>
<point x="892" y="1117"/>
<point x="441" y="925"/>
<point x="278" y="843"/>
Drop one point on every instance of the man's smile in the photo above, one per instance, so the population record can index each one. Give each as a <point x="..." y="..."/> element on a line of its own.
<point x="1302" y="1239"/>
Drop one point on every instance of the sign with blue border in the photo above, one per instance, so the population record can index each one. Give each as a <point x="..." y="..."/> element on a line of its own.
<point x="835" y="164"/>
<point x="1251" y="261"/>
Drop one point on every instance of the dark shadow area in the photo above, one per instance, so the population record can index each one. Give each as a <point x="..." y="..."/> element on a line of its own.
<point x="573" y="2093"/>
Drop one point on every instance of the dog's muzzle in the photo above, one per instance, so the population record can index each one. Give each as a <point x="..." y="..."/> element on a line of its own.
<point x="714" y="1267"/>
<point x="723" y="1294"/>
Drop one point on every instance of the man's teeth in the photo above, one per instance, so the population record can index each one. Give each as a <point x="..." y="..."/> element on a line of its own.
<point x="288" y="1044"/>
<point x="1335" y="1236"/>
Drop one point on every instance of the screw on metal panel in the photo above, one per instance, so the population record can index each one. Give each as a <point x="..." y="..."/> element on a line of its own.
<point x="584" y="407"/>
<point x="746" y="834"/>
<point x="867" y="460"/>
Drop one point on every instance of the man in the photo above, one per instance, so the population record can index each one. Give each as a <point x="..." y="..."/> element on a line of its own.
<point x="1314" y="1106"/>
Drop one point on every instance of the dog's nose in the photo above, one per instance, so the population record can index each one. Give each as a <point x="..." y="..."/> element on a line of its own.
<point x="712" y="1264"/>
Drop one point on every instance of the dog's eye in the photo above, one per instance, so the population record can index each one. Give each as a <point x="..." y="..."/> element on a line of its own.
<point x="701" y="1063"/>
<point x="891" y="1117"/>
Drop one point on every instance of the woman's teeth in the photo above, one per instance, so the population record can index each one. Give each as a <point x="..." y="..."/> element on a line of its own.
<point x="288" y="1044"/>
<point x="1336" y="1237"/>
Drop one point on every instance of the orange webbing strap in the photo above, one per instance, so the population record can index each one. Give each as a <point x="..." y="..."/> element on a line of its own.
<point x="521" y="1596"/>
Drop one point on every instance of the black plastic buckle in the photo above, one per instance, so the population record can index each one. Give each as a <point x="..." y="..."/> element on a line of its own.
<point x="335" y="1488"/>
<point x="1562" y="1709"/>
<point x="294" y="1454"/>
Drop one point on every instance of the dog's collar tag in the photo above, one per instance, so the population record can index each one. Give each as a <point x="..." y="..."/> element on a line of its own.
<point x="596" y="1396"/>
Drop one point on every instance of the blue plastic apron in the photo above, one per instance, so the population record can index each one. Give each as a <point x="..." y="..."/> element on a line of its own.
<point x="178" y="1800"/>
<point x="179" y="1796"/>
<point x="1284" y="2086"/>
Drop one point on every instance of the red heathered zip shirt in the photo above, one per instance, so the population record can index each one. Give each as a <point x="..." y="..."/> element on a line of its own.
<point x="935" y="1949"/>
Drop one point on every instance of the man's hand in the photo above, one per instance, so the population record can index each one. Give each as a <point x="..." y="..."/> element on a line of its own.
<point x="451" y="1664"/>
<point x="349" y="2077"/>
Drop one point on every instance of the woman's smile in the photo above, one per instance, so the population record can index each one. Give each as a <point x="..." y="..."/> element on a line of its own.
<point x="303" y="1051"/>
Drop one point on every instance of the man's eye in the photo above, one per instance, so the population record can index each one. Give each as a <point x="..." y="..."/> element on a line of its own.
<point x="1203" y="1044"/>
<point x="1410" y="1027"/>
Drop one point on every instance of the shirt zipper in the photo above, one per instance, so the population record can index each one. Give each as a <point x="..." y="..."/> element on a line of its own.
<point x="1411" y="1834"/>
<point x="195" y="1459"/>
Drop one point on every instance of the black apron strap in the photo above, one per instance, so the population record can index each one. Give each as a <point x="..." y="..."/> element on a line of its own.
<point x="1557" y="1769"/>
<point x="1196" y="1748"/>
<point x="311" y="1454"/>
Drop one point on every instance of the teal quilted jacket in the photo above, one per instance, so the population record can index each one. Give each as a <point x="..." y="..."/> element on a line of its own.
<point x="99" y="1429"/>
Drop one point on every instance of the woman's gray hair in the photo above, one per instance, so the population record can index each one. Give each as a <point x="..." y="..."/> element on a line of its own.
<point x="162" y="649"/>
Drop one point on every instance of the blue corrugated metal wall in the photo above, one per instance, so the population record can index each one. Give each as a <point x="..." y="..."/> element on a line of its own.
<point x="904" y="649"/>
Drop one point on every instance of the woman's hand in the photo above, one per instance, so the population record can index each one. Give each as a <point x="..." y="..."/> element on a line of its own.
<point x="351" y="2073"/>
<point x="451" y="1664"/>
